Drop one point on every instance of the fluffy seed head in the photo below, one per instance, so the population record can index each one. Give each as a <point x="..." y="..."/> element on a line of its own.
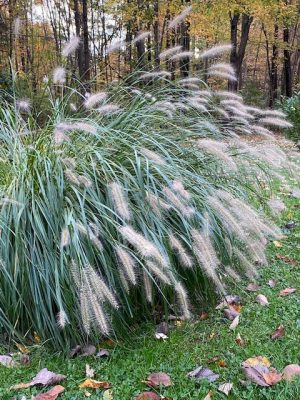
<point x="59" y="76"/>
<point x="120" y="202"/>
<point x="94" y="99"/>
<point x="179" y="18"/>
<point x="71" y="46"/>
<point x="216" y="51"/>
<point x="141" y="36"/>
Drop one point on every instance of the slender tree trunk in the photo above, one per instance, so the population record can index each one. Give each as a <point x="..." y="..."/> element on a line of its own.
<point x="185" y="42"/>
<point x="156" y="34"/>
<point x="288" y="80"/>
<point x="86" y="51"/>
<point x="274" y="70"/>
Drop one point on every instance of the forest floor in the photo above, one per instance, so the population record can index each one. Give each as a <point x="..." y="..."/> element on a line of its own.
<point x="207" y="341"/>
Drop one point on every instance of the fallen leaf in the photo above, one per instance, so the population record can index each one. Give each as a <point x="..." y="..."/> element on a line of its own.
<point x="92" y="384"/>
<point x="213" y="359"/>
<point x="287" y="259"/>
<point x="271" y="283"/>
<point x="7" y="361"/>
<point x="43" y="378"/>
<point x="103" y="353"/>
<point x="277" y="243"/>
<point x="178" y="323"/>
<point x="148" y="396"/>
<point x="88" y="350"/>
<point x="89" y="372"/>
<point x="222" y="363"/>
<point x="230" y="314"/>
<point x="75" y="351"/>
<point x="87" y="394"/>
<point x="22" y="348"/>
<point x="290" y="225"/>
<point x="253" y="287"/>
<point x="287" y="291"/>
<point x="262" y="300"/>
<point x="208" y="396"/>
<point x="255" y="374"/>
<point x="24" y="359"/>
<point x="279" y="332"/>
<point x="229" y="300"/>
<point x="239" y="340"/>
<point x="203" y="316"/>
<point x="225" y="388"/>
<point x="36" y="338"/>
<point x="257" y="360"/>
<point x="107" y="395"/>
<point x="234" y="323"/>
<point x="161" y="336"/>
<point x="290" y="371"/>
<point x="272" y="377"/>
<point x="163" y="327"/>
<point x="203" y="373"/>
<point x="157" y="379"/>
<point x="52" y="394"/>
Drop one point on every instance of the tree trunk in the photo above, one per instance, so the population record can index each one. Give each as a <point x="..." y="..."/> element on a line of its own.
<point x="185" y="42"/>
<point x="274" y="70"/>
<point x="86" y="51"/>
<point x="156" y="34"/>
<point x="288" y="81"/>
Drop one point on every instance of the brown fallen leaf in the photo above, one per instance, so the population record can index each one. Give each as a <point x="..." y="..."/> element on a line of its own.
<point x="43" y="378"/>
<point x="261" y="298"/>
<point x="52" y="394"/>
<point x="203" y="373"/>
<point x="239" y="340"/>
<point x="208" y="396"/>
<point x="234" y="323"/>
<point x="287" y="259"/>
<point x="148" y="396"/>
<point x="23" y="349"/>
<point x="291" y="371"/>
<point x="225" y="388"/>
<point x="203" y="316"/>
<point x="230" y="314"/>
<point x="253" y="287"/>
<point x="255" y="374"/>
<point x="93" y="384"/>
<point x="222" y="363"/>
<point x="287" y="291"/>
<point x="272" y="377"/>
<point x="279" y="332"/>
<point x="158" y="379"/>
<point x="271" y="283"/>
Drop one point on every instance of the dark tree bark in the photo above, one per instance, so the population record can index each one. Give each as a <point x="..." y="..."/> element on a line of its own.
<point x="238" y="49"/>
<point x="288" y="79"/>
<point x="272" y="62"/>
<point x="156" y="34"/>
<point x="86" y="51"/>
<point x="79" y="51"/>
<point x="185" y="42"/>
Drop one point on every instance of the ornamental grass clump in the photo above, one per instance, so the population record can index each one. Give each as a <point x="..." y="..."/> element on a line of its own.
<point x="122" y="210"/>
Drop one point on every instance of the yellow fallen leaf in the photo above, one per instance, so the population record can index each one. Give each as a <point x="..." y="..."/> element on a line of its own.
<point x="260" y="360"/>
<point x="23" y="349"/>
<point x="92" y="384"/>
<point x="107" y="395"/>
<point x="87" y="394"/>
<point x="290" y="216"/>
<point x="178" y="323"/>
<point x="36" y="338"/>
<point x="277" y="243"/>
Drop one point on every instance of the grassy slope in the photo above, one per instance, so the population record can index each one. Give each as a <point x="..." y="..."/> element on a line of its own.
<point x="193" y="345"/>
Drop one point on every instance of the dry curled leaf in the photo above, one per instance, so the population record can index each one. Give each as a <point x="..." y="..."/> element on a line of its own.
<point x="103" y="353"/>
<point x="208" y="396"/>
<point x="272" y="377"/>
<point x="261" y="298"/>
<point x="279" y="332"/>
<point x="203" y="373"/>
<point x="239" y="340"/>
<point x="287" y="291"/>
<point x="163" y="328"/>
<point x="93" y="384"/>
<point x="43" y="378"/>
<point x="7" y="361"/>
<point x="255" y="374"/>
<point x="291" y="371"/>
<point x="271" y="283"/>
<point x="234" y="323"/>
<point x="230" y="314"/>
<point x="253" y="287"/>
<point x="52" y="394"/>
<point x="89" y="372"/>
<point x="257" y="360"/>
<point x="158" y="379"/>
<point x="148" y="396"/>
<point x="225" y="388"/>
<point x="203" y="316"/>
<point x="287" y="259"/>
<point x="277" y="244"/>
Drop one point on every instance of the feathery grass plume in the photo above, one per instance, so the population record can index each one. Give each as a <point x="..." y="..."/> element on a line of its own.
<point x="195" y="104"/>
<point x="65" y="238"/>
<point x="23" y="105"/>
<point x="157" y="204"/>
<point x="295" y="193"/>
<point x="240" y="120"/>
<point x="59" y="76"/>
<point x="180" y="17"/>
<point x="73" y="107"/>
<point x="216" y="51"/>
<point x="157" y="272"/>
<point x="127" y="262"/>
<point x="182" y="299"/>
<point x="169" y="52"/>
<point x="144" y="246"/>
<point x="117" y="45"/>
<point x="75" y="273"/>
<point x="189" y="80"/>
<point x="274" y="113"/>
<point x="108" y="109"/>
<point x="234" y="275"/>
<point x="99" y="315"/>
<point x="253" y="110"/>
<point x="152" y="156"/>
<point x="222" y="75"/>
<point x="277" y="122"/>
<point x="88" y="233"/>
<point x="71" y="46"/>
<point x="178" y="203"/>
<point x="276" y="206"/>
<point x="181" y="55"/>
<point x="155" y="75"/>
<point x="229" y="95"/>
<point x="85" y="181"/>
<point x="148" y="287"/>
<point x="182" y="254"/>
<point x="99" y="287"/>
<point x="222" y="112"/>
<point x="257" y="250"/>
<point x="234" y="103"/>
<point x="191" y="86"/>
<point x="198" y="99"/>
<point x="62" y="319"/>
<point x="117" y="195"/>
<point x="71" y="176"/>
<point x="249" y="268"/>
<point x="85" y="310"/>
<point x="225" y="67"/>
<point x="239" y="112"/>
<point x="94" y="99"/>
<point x="85" y="127"/>
<point x="206" y="256"/>
<point x="94" y="228"/>
<point x="217" y="149"/>
<point x="263" y="132"/>
<point x="141" y="36"/>
<point x="178" y="187"/>
<point x="204" y="93"/>
<point x="124" y="282"/>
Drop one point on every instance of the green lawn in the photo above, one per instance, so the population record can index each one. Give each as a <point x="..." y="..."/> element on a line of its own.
<point x="194" y="344"/>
